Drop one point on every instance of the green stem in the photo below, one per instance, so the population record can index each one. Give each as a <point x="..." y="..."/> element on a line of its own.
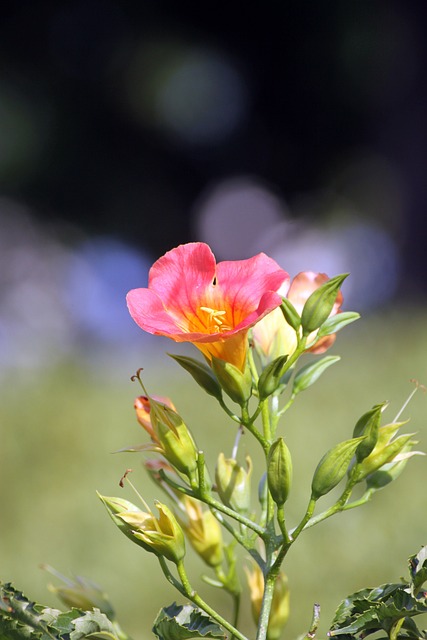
<point x="198" y="601"/>
<point x="338" y="507"/>
<point x="310" y="509"/>
<point x="282" y="524"/>
<point x="267" y="601"/>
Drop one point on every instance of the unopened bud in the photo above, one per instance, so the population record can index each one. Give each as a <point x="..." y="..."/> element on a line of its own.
<point x="203" y="531"/>
<point x="270" y="377"/>
<point x="236" y="384"/>
<point x="333" y="467"/>
<point x="233" y="483"/>
<point x="320" y="304"/>
<point x="368" y="425"/>
<point x="279" y="471"/>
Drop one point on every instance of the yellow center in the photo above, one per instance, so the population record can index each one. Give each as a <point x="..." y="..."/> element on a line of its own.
<point x="215" y="319"/>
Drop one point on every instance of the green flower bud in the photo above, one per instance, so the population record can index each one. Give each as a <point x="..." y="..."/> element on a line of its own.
<point x="270" y="377"/>
<point x="320" y="304"/>
<point x="290" y="314"/>
<point x="201" y="373"/>
<point x="174" y="439"/>
<point x="333" y="467"/>
<point x="368" y="425"/>
<point x="279" y="471"/>
<point x="233" y="483"/>
<point x="236" y="384"/>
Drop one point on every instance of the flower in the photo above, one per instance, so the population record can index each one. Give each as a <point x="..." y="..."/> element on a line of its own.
<point x="190" y="298"/>
<point x="274" y="337"/>
<point x="203" y="531"/>
<point x="162" y="536"/>
<point x="280" y="605"/>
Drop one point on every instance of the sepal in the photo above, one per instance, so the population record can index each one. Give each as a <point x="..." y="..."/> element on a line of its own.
<point x="236" y="384"/>
<point x="201" y="373"/>
<point x="309" y="373"/>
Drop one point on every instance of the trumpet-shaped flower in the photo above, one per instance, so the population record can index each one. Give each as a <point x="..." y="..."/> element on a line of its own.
<point x="190" y="298"/>
<point x="274" y="337"/>
<point x="162" y="536"/>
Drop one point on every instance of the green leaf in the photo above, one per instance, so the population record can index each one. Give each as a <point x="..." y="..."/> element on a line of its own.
<point x="337" y="322"/>
<point x="181" y="622"/>
<point x="311" y="372"/>
<point x="201" y="373"/>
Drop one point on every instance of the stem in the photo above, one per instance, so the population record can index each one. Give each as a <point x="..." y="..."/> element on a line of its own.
<point x="267" y="601"/>
<point x="197" y="600"/>
<point x="282" y="525"/>
<point x="337" y="507"/>
<point x="314" y="622"/>
<point x="295" y="533"/>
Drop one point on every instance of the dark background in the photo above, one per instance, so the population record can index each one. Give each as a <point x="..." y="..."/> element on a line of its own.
<point x="319" y="84"/>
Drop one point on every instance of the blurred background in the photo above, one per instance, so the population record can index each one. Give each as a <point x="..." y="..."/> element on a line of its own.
<point x="127" y="128"/>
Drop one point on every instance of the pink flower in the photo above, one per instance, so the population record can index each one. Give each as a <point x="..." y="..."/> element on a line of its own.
<point x="190" y="298"/>
<point x="273" y="336"/>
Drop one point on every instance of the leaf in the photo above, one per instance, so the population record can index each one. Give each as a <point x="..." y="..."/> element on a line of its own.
<point x="308" y="374"/>
<point x="333" y="324"/>
<point x="418" y="568"/>
<point x="178" y="622"/>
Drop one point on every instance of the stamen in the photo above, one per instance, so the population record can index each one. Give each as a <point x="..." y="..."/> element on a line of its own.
<point x="215" y="318"/>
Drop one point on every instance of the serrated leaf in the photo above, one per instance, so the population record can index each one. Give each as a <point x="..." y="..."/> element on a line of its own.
<point x="178" y="622"/>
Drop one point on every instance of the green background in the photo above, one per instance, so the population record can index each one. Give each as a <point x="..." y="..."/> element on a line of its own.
<point x="59" y="427"/>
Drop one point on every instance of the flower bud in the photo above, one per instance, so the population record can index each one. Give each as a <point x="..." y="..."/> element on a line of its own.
<point x="233" y="483"/>
<point x="162" y="536"/>
<point x="280" y="605"/>
<point x="382" y="454"/>
<point x="320" y="304"/>
<point x="203" y="531"/>
<point x="270" y="377"/>
<point x="279" y="471"/>
<point x="173" y="438"/>
<point x="333" y="467"/>
<point x="368" y="425"/>
<point x="236" y="384"/>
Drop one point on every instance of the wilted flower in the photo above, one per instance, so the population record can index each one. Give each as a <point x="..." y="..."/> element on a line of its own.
<point x="162" y="536"/>
<point x="274" y="337"/>
<point x="280" y="605"/>
<point x="203" y="531"/>
<point x="233" y="483"/>
<point x="190" y="298"/>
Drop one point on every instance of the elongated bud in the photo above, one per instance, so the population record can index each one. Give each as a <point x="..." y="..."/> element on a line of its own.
<point x="368" y="425"/>
<point x="233" y="483"/>
<point x="236" y="384"/>
<point x="333" y="467"/>
<point x="201" y="373"/>
<point x="320" y="304"/>
<point x="175" y="440"/>
<point x="311" y="372"/>
<point x="162" y="536"/>
<point x="279" y="471"/>
<point x="290" y="314"/>
<point x="270" y="377"/>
